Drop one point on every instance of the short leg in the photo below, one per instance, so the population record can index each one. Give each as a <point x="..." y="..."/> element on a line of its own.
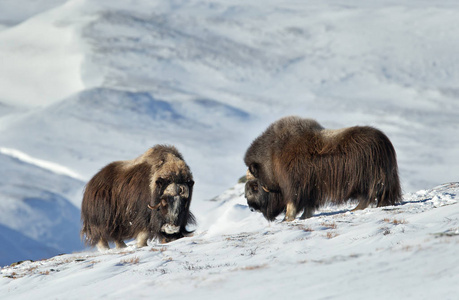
<point x="307" y="213"/>
<point x="290" y="212"/>
<point x="102" y="245"/>
<point x="363" y="203"/>
<point x="142" y="239"/>
<point x="120" y="244"/>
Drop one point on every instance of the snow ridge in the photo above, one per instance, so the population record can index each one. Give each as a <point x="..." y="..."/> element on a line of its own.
<point x="47" y="165"/>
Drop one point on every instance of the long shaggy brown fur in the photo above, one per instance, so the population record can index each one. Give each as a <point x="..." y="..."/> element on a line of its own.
<point x="124" y="199"/>
<point x="309" y="166"/>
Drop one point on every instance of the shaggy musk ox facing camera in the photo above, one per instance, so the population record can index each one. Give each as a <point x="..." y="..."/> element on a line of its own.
<point x="147" y="197"/>
<point x="297" y="165"/>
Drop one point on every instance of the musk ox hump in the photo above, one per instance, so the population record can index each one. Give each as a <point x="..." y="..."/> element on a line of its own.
<point x="157" y="155"/>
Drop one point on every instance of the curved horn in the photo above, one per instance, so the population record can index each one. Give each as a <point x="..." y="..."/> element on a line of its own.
<point x="249" y="175"/>
<point x="154" y="207"/>
<point x="161" y="203"/>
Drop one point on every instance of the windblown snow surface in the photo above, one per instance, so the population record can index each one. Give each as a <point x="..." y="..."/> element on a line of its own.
<point x="84" y="83"/>
<point x="400" y="252"/>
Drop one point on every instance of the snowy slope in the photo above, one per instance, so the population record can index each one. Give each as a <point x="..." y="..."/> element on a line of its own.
<point x="84" y="83"/>
<point x="400" y="252"/>
<point x="13" y="12"/>
<point x="37" y="218"/>
<point x="42" y="56"/>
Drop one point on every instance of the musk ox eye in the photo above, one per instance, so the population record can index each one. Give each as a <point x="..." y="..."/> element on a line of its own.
<point x="190" y="183"/>
<point x="182" y="190"/>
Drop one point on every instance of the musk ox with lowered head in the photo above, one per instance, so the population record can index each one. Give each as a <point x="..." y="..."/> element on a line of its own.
<point x="297" y="165"/>
<point x="144" y="198"/>
<point x="259" y="199"/>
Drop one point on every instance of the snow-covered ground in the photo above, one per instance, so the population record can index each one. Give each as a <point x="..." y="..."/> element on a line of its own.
<point x="401" y="252"/>
<point x="84" y="83"/>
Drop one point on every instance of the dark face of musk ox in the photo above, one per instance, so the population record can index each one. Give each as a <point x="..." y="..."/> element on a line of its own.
<point x="270" y="204"/>
<point x="254" y="195"/>
<point x="173" y="206"/>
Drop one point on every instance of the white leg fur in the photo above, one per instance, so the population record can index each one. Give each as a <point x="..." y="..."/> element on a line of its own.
<point x="142" y="239"/>
<point x="102" y="245"/>
<point x="290" y="212"/>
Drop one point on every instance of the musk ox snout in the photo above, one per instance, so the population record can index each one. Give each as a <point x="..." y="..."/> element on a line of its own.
<point x="170" y="229"/>
<point x="251" y="194"/>
<point x="173" y="206"/>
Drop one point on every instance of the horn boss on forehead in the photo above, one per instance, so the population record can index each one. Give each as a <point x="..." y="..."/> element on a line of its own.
<point x="144" y="198"/>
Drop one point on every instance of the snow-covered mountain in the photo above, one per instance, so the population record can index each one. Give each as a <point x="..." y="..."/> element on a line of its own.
<point x="84" y="83"/>
<point x="38" y="218"/>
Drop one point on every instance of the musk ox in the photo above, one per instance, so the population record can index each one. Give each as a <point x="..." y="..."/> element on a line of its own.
<point x="297" y="165"/>
<point x="144" y="198"/>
